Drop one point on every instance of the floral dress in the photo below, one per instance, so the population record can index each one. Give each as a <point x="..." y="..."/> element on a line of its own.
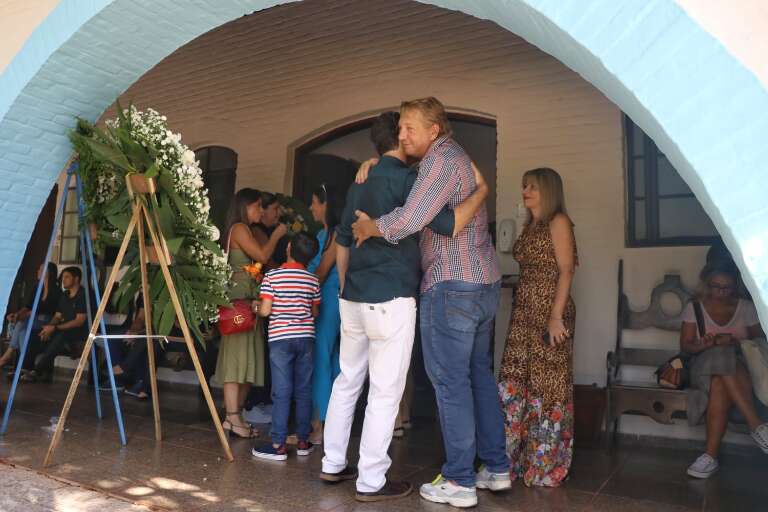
<point x="536" y="380"/>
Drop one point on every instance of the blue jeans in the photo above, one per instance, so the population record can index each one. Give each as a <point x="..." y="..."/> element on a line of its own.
<point x="20" y="329"/>
<point x="456" y="328"/>
<point x="291" y="362"/>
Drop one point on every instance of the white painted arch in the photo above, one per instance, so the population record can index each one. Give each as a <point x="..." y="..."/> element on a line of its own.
<point x="705" y="110"/>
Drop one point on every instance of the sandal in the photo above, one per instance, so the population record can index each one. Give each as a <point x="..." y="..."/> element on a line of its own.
<point x="231" y="428"/>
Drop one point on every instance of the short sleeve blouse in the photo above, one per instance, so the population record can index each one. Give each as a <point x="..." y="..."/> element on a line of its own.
<point x="745" y="316"/>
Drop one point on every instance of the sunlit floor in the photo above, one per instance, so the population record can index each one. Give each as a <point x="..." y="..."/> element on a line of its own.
<point x="186" y="471"/>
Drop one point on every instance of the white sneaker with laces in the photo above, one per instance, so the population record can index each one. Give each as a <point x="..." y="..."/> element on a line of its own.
<point x="703" y="467"/>
<point x="493" y="481"/>
<point x="444" y="491"/>
<point x="760" y="435"/>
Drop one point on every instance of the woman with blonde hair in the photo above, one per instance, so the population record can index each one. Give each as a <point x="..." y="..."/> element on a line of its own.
<point x="536" y="380"/>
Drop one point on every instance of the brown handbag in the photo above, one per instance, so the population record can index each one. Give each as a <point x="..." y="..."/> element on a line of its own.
<point x="676" y="373"/>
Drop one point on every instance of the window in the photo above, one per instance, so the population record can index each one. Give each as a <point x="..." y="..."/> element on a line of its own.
<point x="219" y="165"/>
<point x="69" y="251"/>
<point x="662" y="210"/>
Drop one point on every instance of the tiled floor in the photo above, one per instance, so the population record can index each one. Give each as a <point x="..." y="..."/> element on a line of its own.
<point x="187" y="472"/>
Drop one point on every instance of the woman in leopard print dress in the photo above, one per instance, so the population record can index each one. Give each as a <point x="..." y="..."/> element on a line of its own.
<point x="536" y="381"/>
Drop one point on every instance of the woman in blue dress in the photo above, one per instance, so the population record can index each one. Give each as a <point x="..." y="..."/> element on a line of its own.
<point x="326" y="208"/>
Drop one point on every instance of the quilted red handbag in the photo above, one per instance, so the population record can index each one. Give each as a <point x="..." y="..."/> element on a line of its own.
<point x="238" y="317"/>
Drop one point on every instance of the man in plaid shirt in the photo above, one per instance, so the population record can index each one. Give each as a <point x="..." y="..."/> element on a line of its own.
<point x="459" y="298"/>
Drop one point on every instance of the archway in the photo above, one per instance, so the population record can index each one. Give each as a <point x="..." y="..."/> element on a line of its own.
<point x="704" y="109"/>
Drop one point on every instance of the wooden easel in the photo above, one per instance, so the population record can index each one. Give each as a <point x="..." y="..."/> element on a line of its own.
<point x="140" y="187"/>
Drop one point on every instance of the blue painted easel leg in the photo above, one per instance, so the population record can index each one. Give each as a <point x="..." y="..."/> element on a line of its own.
<point x="88" y="253"/>
<point x="36" y="303"/>
<point x="89" y="315"/>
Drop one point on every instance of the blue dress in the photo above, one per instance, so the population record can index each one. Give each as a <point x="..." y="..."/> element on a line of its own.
<point x="327" y="330"/>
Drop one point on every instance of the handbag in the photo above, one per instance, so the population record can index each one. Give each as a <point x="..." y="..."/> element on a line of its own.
<point x="676" y="372"/>
<point x="238" y="316"/>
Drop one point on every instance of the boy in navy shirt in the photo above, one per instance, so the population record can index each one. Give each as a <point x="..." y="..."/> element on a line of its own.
<point x="290" y="296"/>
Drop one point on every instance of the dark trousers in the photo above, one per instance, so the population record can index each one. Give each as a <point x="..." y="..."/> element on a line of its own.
<point x="262" y="394"/>
<point x="132" y="358"/>
<point x="55" y="346"/>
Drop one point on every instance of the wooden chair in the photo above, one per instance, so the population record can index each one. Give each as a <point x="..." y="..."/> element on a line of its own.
<point x="646" y="398"/>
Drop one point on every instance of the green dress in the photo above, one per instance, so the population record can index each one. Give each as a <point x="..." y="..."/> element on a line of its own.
<point x="241" y="356"/>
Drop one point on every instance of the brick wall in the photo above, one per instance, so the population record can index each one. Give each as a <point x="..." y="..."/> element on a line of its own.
<point x="253" y="86"/>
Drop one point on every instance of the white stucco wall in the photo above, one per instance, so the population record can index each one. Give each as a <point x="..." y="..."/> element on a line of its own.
<point x="546" y="116"/>
<point x="17" y="21"/>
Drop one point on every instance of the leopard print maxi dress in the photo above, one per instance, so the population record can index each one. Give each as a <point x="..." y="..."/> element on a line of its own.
<point x="536" y="380"/>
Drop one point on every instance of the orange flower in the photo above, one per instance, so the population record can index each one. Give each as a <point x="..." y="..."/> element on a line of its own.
<point x="254" y="270"/>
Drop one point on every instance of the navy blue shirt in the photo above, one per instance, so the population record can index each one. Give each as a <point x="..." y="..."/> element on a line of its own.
<point x="378" y="270"/>
<point x="70" y="307"/>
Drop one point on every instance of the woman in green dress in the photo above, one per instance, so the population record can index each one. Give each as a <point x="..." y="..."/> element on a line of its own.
<point x="241" y="360"/>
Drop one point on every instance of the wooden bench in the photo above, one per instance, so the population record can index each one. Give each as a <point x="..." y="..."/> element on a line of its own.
<point x="646" y="398"/>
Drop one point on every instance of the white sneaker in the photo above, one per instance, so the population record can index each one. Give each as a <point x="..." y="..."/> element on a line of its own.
<point x="703" y="467"/>
<point x="760" y="435"/>
<point x="493" y="481"/>
<point x="443" y="491"/>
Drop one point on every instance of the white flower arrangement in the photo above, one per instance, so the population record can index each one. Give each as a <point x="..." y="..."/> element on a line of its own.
<point x="140" y="142"/>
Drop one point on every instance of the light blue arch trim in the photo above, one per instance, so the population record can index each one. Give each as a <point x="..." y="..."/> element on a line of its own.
<point x="705" y="110"/>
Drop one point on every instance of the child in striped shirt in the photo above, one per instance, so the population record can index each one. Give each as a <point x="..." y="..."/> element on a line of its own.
<point x="290" y="296"/>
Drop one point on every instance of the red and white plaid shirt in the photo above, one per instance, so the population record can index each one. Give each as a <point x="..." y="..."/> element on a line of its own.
<point x="445" y="177"/>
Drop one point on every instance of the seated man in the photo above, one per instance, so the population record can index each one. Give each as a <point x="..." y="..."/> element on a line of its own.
<point x="67" y="328"/>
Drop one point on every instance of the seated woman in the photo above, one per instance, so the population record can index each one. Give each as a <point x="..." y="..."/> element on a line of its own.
<point x="719" y="378"/>
<point x="49" y="299"/>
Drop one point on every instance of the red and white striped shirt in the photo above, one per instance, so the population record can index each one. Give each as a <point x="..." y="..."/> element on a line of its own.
<point x="293" y="291"/>
<point x="445" y="177"/>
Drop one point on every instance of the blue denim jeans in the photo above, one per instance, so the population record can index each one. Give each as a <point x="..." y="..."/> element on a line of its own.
<point x="291" y="362"/>
<point x="20" y="329"/>
<point x="456" y="328"/>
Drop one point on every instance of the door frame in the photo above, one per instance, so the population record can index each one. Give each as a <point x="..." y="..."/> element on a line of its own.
<point x="303" y="146"/>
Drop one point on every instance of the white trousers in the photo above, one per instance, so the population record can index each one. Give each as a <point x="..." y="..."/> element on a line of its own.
<point x="376" y="341"/>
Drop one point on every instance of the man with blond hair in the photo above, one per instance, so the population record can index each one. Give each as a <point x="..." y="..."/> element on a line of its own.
<point x="458" y="301"/>
<point x="379" y="286"/>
